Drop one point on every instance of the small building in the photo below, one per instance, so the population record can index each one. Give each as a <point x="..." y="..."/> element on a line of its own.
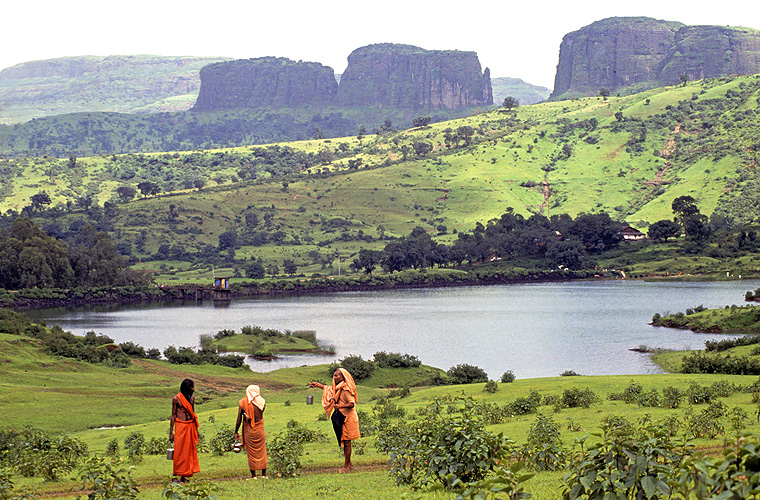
<point x="632" y="234"/>
<point x="222" y="290"/>
<point x="222" y="283"/>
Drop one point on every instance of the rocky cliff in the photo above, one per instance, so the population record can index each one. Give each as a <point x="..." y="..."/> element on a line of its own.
<point x="129" y="84"/>
<point x="642" y="52"/>
<point x="408" y="77"/>
<point x="265" y="82"/>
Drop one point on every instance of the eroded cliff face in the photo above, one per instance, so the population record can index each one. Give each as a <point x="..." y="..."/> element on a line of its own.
<point x="265" y="82"/>
<point x="623" y="52"/>
<point x="408" y="77"/>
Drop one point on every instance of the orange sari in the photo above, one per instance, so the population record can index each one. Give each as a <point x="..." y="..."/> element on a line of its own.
<point x="254" y="438"/>
<point x="343" y="393"/>
<point x="185" y="441"/>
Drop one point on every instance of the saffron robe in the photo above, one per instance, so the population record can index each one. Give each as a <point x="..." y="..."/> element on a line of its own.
<point x="185" y="441"/>
<point x="254" y="438"/>
<point x="343" y="393"/>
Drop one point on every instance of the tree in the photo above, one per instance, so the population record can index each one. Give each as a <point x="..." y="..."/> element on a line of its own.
<point x="255" y="270"/>
<point x="421" y="148"/>
<point x="126" y="193"/>
<point x="664" y="229"/>
<point x="604" y="93"/>
<point x="509" y="103"/>
<point x="228" y="239"/>
<point x="289" y="266"/>
<point x="40" y="200"/>
<point x="421" y="121"/>
<point x="273" y="269"/>
<point x="147" y="188"/>
<point x="684" y="207"/>
<point x="367" y="260"/>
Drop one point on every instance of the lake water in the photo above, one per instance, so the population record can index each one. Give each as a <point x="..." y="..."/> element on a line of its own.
<point x="535" y="330"/>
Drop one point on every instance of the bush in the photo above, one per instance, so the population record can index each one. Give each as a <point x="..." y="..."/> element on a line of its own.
<point x="395" y="360"/>
<point x="491" y="387"/>
<point x="105" y="481"/>
<point x="466" y="374"/>
<point x="284" y="455"/>
<point x="430" y="451"/>
<point x="543" y="449"/>
<point x="135" y="446"/>
<point x="356" y="366"/>
<point x="508" y="377"/>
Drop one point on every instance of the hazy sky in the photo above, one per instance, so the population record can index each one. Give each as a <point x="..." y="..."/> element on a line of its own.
<point x="515" y="39"/>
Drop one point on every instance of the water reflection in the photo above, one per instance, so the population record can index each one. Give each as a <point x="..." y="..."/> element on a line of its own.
<point x="535" y="330"/>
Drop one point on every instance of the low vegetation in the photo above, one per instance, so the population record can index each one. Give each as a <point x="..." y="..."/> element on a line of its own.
<point x="522" y="438"/>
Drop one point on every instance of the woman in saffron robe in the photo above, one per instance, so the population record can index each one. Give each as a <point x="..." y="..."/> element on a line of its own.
<point x="251" y="415"/>
<point x="341" y="399"/>
<point x="183" y="432"/>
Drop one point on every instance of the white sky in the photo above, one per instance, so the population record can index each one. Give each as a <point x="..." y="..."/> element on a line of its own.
<point x="515" y="39"/>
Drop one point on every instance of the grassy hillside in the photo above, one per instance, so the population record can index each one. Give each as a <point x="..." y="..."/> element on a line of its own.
<point x="627" y="156"/>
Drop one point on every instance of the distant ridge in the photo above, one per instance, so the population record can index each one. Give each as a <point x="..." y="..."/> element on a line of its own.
<point x="125" y="84"/>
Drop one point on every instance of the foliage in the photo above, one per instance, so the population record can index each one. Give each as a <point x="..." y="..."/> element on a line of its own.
<point x="395" y="360"/>
<point x="507" y="377"/>
<point x="134" y="444"/>
<point x="491" y="386"/>
<point x="543" y="449"/>
<point x="356" y="366"/>
<point x="442" y="446"/>
<point x="106" y="480"/>
<point x="625" y="464"/>
<point x="505" y="483"/>
<point x="284" y="455"/>
<point x="193" y="490"/>
<point x="466" y="374"/>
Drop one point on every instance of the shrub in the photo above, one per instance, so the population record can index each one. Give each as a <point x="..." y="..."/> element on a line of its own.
<point x="356" y="366"/>
<point x="491" y="387"/>
<point x="135" y="446"/>
<point x="576" y="398"/>
<point x="105" y="481"/>
<point x="543" y="449"/>
<point x="466" y="374"/>
<point x="508" y="377"/>
<point x="430" y="450"/>
<point x="284" y="455"/>
<point x="395" y="360"/>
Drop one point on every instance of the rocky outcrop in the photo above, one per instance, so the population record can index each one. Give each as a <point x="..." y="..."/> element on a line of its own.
<point x="265" y="82"/>
<point x="642" y="52"/>
<point x="408" y="77"/>
<point x="128" y="84"/>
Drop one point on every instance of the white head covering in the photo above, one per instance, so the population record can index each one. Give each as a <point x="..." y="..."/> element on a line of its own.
<point x="253" y="393"/>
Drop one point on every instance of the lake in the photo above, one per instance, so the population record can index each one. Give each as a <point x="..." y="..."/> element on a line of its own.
<point x="535" y="330"/>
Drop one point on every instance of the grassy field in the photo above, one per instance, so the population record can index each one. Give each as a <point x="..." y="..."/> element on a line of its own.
<point x="98" y="404"/>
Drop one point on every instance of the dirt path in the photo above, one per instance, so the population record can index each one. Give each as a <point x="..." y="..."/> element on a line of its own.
<point x="142" y="486"/>
<point x="665" y="153"/>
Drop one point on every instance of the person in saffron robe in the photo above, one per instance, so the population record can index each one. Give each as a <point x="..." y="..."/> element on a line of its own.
<point x="251" y="415"/>
<point x="183" y="432"/>
<point x="341" y="399"/>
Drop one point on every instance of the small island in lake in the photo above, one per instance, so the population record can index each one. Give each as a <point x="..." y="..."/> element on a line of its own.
<point x="265" y="343"/>
<point x="733" y="319"/>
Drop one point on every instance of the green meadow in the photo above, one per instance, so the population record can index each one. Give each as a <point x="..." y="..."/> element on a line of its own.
<point x="97" y="404"/>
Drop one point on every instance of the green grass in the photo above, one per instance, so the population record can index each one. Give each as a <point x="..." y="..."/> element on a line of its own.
<point x="59" y="395"/>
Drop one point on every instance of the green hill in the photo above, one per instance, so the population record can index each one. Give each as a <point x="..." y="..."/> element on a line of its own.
<point x="627" y="156"/>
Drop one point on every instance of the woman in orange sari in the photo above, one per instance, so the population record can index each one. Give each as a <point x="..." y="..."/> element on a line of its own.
<point x="183" y="432"/>
<point x="251" y="415"/>
<point x="341" y="399"/>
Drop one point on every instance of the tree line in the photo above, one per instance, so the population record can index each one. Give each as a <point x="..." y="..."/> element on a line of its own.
<point x="30" y="258"/>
